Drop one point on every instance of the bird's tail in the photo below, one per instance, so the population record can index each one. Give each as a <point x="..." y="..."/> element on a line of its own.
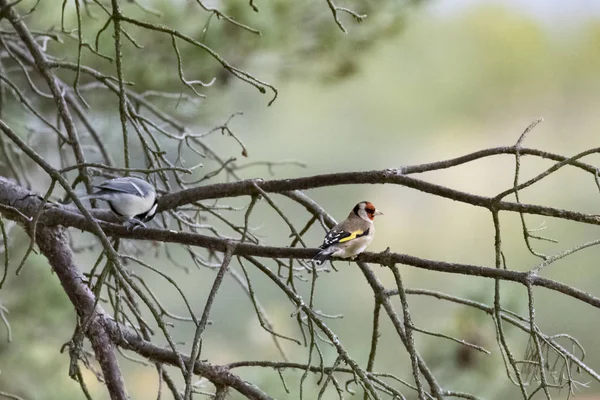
<point x="91" y="196"/>
<point x="87" y="197"/>
<point x="322" y="256"/>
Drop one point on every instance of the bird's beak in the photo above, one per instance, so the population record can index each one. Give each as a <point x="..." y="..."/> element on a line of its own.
<point x="377" y="212"/>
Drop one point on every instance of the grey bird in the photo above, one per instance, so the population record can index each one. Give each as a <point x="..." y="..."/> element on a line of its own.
<point x="129" y="198"/>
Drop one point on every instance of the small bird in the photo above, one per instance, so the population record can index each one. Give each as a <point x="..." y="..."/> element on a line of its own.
<point x="130" y="198"/>
<point x="350" y="237"/>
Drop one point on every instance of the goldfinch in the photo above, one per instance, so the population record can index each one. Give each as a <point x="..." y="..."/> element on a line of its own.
<point x="350" y="237"/>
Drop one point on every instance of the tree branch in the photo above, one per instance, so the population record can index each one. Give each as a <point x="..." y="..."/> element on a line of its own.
<point x="388" y="176"/>
<point x="54" y="246"/>
<point x="104" y="333"/>
<point x="22" y="205"/>
<point x="53" y="83"/>
<point x="56" y="215"/>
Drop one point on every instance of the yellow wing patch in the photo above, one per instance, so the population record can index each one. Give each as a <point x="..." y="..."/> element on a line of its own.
<point x="352" y="236"/>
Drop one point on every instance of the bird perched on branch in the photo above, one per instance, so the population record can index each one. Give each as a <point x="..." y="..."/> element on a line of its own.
<point x="130" y="198"/>
<point x="350" y="237"/>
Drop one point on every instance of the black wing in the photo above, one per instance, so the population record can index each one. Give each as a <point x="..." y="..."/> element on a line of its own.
<point x="336" y="236"/>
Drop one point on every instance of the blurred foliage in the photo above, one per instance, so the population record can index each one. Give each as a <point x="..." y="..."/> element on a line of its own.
<point x="446" y="86"/>
<point x="42" y="320"/>
<point x="422" y="88"/>
<point x="299" y="36"/>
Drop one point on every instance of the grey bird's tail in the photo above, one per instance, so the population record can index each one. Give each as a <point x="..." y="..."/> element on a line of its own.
<point x="98" y="195"/>
<point x="88" y="197"/>
<point x="322" y="256"/>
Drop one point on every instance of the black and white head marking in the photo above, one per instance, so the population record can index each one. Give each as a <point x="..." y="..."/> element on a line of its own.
<point x="145" y="217"/>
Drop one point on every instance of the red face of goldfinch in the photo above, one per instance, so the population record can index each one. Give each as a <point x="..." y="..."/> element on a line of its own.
<point x="366" y="210"/>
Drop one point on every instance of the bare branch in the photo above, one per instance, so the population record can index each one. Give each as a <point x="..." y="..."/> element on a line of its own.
<point x="201" y="225"/>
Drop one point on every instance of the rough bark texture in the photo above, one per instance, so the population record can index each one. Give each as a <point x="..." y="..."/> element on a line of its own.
<point x="103" y="332"/>
<point x="54" y="246"/>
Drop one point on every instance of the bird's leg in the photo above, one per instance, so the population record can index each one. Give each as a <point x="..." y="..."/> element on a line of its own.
<point x="333" y="266"/>
<point x="134" y="224"/>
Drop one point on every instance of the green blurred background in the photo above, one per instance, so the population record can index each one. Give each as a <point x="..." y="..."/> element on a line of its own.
<point x="438" y="80"/>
